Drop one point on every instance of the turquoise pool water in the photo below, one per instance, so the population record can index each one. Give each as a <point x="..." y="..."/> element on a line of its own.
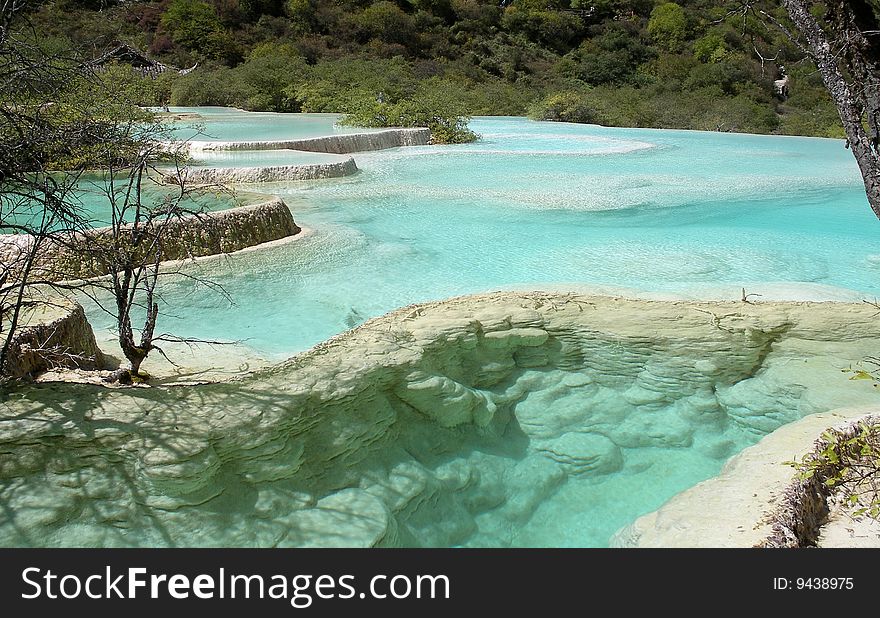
<point x="541" y="205"/>
<point x="228" y="124"/>
<point x="91" y="201"/>
<point x="545" y="205"/>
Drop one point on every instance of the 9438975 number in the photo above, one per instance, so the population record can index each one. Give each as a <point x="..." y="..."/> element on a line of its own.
<point x="824" y="583"/>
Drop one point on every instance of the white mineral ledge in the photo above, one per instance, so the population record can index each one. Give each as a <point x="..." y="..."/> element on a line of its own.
<point x="733" y="509"/>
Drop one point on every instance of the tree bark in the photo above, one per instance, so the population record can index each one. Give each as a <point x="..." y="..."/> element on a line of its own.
<point x="853" y="101"/>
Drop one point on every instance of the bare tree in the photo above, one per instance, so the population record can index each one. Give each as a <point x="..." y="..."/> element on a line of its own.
<point x="29" y="215"/>
<point x="35" y="201"/>
<point x="147" y="215"/>
<point x="58" y="113"/>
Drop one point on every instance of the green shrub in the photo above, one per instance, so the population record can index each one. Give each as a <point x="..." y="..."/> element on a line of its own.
<point x="809" y="109"/>
<point x="335" y="86"/>
<point x="266" y="82"/>
<point x="131" y="85"/>
<point x="536" y="20"/>
<point x="195" y="25"/>
<point x="563" y="107"/>
<point x="610" y="58"/>
<point x="706" y="109"/>
<point x="495" y="97"/>
<point x="302" y="15"/>
<point x="710" y="48"/>
<point x="221" y="86"/>
<point x="387" y="22"/>
<point x="737" y="113"/>
<point x="728" y="75"/>
<point x="668" y="26"/>
<point x="431" y="106"/>
<point x="848" y="463"/>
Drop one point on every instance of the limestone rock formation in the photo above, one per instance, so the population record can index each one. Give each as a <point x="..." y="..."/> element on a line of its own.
<point x="314" y="171"/>
<point x="52" y="333"/>
<point x="198" y="235"/>
<point x="755" y="501"/>
<point x="451" y="423"/>
<point x="345" y="143"/>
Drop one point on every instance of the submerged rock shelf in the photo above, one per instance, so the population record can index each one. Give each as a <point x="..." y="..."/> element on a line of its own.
<point x="464" y="422"/>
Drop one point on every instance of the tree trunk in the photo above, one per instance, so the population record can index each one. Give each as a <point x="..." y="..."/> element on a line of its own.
<point x="851" y="99"/>
<point x="133" y="353"/>
<point x="136" y="363"/>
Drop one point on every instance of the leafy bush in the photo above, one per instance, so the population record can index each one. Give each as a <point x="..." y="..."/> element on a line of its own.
<point x="387" y="22"/>
<point x="668" y="26"/>
<point x="809" y="109"/>
<point x="218" y="87"/>
<point x="706" y="109"/>
<point x="710" y="48"/>
<point x="265" y="82"/>
<point x="302" y="15"/>
<point x="195" y="25"/>
<point x="337" y="86"/>
<point x="563" y="107"/>
<point x="430" y="107"/>
<point x="610" y="58"/>
<point x="494" y="97"/>
<point x="848" y="462"/>
<point x="553" y="29"/>
<point x="727" y="75"/>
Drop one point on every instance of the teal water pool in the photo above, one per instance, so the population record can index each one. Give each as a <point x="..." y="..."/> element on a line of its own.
<point x="227" y="124"/>
<point x="541" y="205"/>
<point x="91" y="201"/>
<point x="545" y="205"/>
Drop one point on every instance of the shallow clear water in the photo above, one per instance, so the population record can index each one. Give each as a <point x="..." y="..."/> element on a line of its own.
<point x="91" y="202"/>
<point x="541" y="205"/>
<point x="588" y="509"/>
<point x="227" y="124"/>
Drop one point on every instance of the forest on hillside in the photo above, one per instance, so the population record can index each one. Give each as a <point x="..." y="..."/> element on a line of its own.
<point x="696" y="64"/>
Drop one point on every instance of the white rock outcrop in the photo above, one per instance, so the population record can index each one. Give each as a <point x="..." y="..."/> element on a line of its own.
<point x="273" y="173"/>
<point x="196" y="235"/>
<point x="344" y="143"/>
<point x="738" y="507"/>
<point x="52" y="333"/>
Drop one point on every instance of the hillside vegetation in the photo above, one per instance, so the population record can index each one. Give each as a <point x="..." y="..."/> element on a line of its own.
<point x="638" y="63"/>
